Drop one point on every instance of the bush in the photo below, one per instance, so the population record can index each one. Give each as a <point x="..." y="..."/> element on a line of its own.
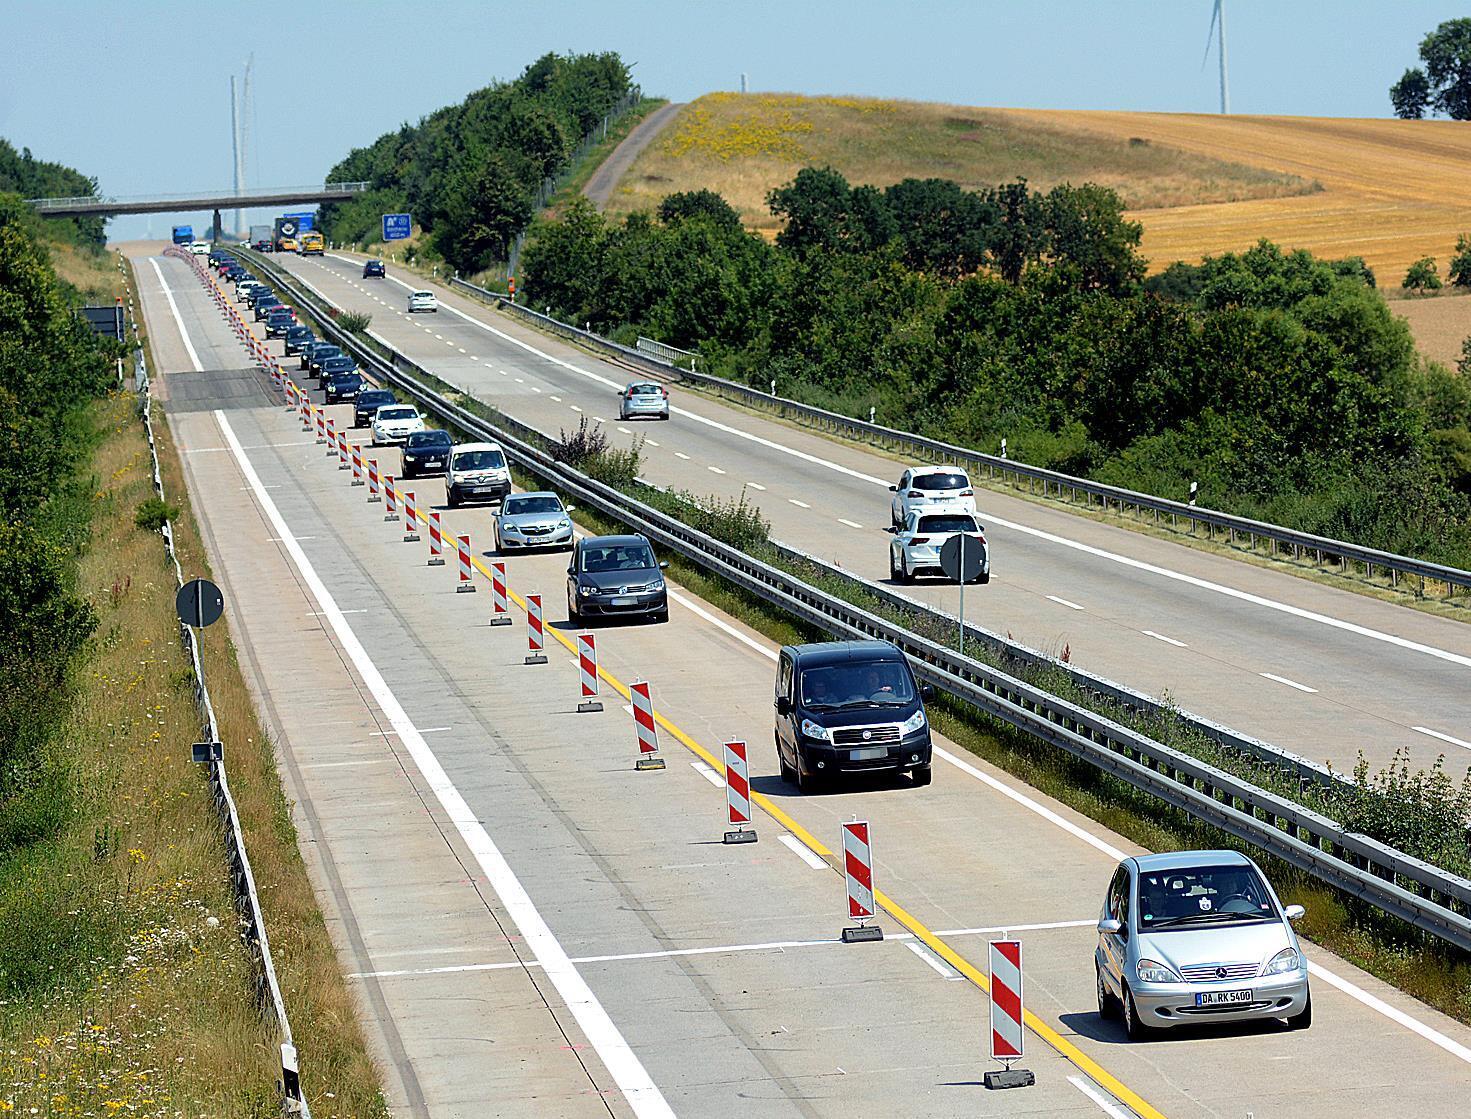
<point x="731" y="520"/>
<point x="590" y="450"/>
<point x="154" y="513"/>
<point x="354" y="322"/>
<point x="1422" y="276"/>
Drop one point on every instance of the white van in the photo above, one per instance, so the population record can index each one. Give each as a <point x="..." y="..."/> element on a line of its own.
<point x="422" y="301"/>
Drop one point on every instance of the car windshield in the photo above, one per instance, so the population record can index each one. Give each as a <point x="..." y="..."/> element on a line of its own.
<point x="948" y="522"/>
<point x="1202" y="896"/>
<point x="426" y="440"/>
<point x="337" y="365"/>
<point x="643" y="390"/>
<point x="479" y="460"/>
<point x="326" y="353"/>
<point x="299" y="332"/>
<point x="941" y="482"/>
<point x="617" y="557"/>
<point x="536" y="504"/>
<point x="403" y="412"/>
<point x="376" y="398"/>
<point x="885" y="683"/>
<point x="422" y="295"/>
<point x="346" y="377"/>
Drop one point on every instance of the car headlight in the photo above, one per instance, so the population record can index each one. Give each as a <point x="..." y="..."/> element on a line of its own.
<point x="585" y="590"/>
<point x="1283" y="962"/>
<point x="655" y="585"/>
<point x="1152" y="971"/>
<point x="914" y="724"/>
<point x="814" y="730"/>
<point x="564" y="523"/>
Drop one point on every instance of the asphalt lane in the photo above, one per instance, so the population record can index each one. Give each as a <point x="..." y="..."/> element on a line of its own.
<point x="1202" y="629"/>
<point x="628" y="864"/>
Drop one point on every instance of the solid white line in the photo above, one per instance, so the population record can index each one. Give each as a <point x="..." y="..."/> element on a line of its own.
<point x="700" y="612"/>
<point x="1166" y="640"/>
<point x="1289" y="683"/>
<point x="1106" y="1105"/>
<point x="708" y="774"/>
<point x="802" y="851"/>
<point x="178" y="319"/>
<point x="850" y="524"/>
<point x="799" y="504"/>
<point x="1414" y="1025"/>
<point x="1062" y="601"/>
<point x="1443" y="737"/>
<point x="944" y="970"/>
<point x="622" y="1063"/>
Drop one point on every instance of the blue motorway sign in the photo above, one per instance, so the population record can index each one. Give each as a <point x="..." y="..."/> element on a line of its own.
<point x="396" y="227"/>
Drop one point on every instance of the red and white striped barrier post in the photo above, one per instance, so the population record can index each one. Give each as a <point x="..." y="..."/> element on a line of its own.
<point x="436" y="539"/>
<point x="467" y="575"/>
<point x="587" y="673"/>
<point x="305" y="407"/>
<point x="1007" y="1035"/>
<point x="355" y="451"/>
<point x="737" y="794"/>
<point x="858" y="870"/>
<point x="390" y="498"/>
<point x="287" y="385"/>
<point x="343" y="462"/>
<point x="411" y="518"/>
<point x="321" y="424"/>
<point x="500" y="600"/>
<point x="331" y="438"/>
<point x="534" y="654"/>
<point x="643" y="725"/>
<point x="373" y="497"/>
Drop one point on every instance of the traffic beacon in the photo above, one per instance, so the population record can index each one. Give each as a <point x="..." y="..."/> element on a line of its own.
<point x="1006" y="1016"/>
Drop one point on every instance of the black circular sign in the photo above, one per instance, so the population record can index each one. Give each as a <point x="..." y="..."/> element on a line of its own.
<point x="199" y="603"/>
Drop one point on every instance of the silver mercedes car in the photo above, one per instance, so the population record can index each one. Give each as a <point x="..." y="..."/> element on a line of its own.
<point x="1198" y="936"/>
<point x="533" y="520"/>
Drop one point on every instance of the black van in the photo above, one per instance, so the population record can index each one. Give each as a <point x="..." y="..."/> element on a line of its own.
<point x="849" y="707"/>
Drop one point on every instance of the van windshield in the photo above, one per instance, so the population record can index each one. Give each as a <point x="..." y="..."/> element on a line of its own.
<point x="479" y="460"/>
<point x="878" y="683"/>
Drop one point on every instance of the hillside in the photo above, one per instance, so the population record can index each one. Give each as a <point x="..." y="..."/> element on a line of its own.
<point x="1380" y="189"/>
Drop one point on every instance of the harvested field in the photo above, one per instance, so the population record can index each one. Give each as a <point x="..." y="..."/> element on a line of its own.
<point x="1440" y="324"/>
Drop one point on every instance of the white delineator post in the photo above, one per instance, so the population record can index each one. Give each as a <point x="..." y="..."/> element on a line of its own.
<point x="436" y="539"/>
<point x="467" y="576"/>
<point x="737" y="794"/>
<point x="587" y="673"/>
<point x="390" y="498"/>
<point x="858" y="870"/>
<point x="534" y="655"/>
<point x="500" y="600"/>
<point x="643" y="726"/>
<point x="373" y="497"/>
<point x="1007" y="1034"/>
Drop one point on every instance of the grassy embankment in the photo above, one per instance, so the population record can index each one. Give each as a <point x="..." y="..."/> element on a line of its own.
<point x="126" y="986"/>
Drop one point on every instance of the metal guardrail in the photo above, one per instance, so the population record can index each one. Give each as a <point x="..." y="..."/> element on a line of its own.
<point x="247" y="901"/>
<point x="1348" y="556"/>
<point x="663" y="351"/>
<point x="1426" y="897"/>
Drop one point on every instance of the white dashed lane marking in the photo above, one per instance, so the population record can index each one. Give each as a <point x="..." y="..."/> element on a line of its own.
<point x="714" y="470"/>
<point x="708" y="774"/>
<point x="802" y="851"/>
<point x="1289" y="683"/>
<point x="1444" y="737"/>
<point x="1063" y="602"/>
<point x="756" y="486"/>
<point x="799" y="504"/>
<point x="1166" y="640"/>
<point x="850" y="524"/>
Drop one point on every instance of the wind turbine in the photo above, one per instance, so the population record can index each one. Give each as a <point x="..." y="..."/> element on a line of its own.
<point x="1218" y="20"/>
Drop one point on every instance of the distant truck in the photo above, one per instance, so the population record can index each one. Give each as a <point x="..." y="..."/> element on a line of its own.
<point x="305" y="219"/>
<point x="183" y="234"/>
<point x="284" y="234"/>
<point x="311" y="243"/>
<point x="260" y="235"/>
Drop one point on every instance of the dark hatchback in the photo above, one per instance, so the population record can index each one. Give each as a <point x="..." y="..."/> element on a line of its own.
<point x="849" y="708"/>
<point x="279" y="322"/>
<point x="310" y="350"/>
<point x="265" y="305"/>
<point x="373" y="268"/>
<point x="297" y="337"/>
<point x="321" y="355"/>
<point x="344" y="385"/>
<point x="613" y="577"/>
<point x="426" y="452"/>
<point x="369" y="401"/>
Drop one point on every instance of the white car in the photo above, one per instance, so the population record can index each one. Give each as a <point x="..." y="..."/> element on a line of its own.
<point x="931" y="487"/>
<point x="244" y="288"/>
<point x="394" y="423"/>
<point x="476" y="472"/>
<point x="422" y="301"/>
<point x="199" y="248"/>
<point x="916" y="546"/>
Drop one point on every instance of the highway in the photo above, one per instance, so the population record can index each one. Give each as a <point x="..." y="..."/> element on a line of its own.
<point x="1317" y="670"/>
<point x="538" y="929"/>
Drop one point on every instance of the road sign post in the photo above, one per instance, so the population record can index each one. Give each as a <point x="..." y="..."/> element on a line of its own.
<point x="961" y="561"/>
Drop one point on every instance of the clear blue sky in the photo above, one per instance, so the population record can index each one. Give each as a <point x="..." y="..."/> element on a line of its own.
<point x="137" y="93"/>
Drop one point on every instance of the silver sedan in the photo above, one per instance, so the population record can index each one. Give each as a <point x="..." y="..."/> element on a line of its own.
<point x="1194" y="937"/>
<point x="533" y="520"/>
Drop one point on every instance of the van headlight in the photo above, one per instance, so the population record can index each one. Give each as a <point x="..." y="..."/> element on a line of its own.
<point x="914" y="724"/>
<point x="1152" y="971"/>
<point x="815" y="730"/>
<point x="1283" y="962"/>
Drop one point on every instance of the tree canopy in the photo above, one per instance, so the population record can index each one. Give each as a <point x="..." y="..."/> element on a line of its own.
<point x="1442" y="83"/>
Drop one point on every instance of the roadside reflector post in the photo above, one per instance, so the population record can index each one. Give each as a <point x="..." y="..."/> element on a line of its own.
<point x="858" y="870"/>
<point x="643" y="726"/>
<point x="1007" y="1036"/>
<point x="737" y="794"/>
<point x="411" y="518"/>
<point x="467" y="578"/>
<point x="587" y="673"/>
<point x="390" y="498"/>
<point x="500" y="600"/>
<point x="357" y="464"/>
<point x="373" y="497"/>
<point x="436" y="539"/>
<point x="534" y="655"/>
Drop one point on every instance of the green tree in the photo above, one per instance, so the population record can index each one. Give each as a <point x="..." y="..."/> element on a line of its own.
<point x="943" y="227"/>
<point x="699" y="203"/>
<point x="1020" y="234"/>
<point x="1410" y="96"/>
<point x="565" y="263"/>
<point x="1089" y="237"/>
<point x="486" y="205"/>
<point x="1443" y="83"/>
<point x="1460" y="266"/>
<point x="1422" y="276"/>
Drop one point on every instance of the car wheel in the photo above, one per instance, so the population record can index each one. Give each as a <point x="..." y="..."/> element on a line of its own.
<point x="1304" y="1018"/>
<point x="1136" y="1029"/>
<point x="449" y="498"/>
<point x="573" y="617"/>
<point x="893" y="569"/>
<point x="905" y="575"/>
<point x="1106" y="1008"/>
<point x="806" y="782"/>
<point x="661" y="616"/>
<point x="923" y="775"/>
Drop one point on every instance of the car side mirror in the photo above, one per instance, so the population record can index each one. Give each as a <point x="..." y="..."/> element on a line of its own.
<point x="891" y="529"/>
<point x="893" y="489"/>
<point x="1294" y="912"/>
<point x="783" y="705"/>
<point x="571" y="570"/>
<point x="569" y="509"/>
<point x="664" y="565"/>
<point x="926" y="691"/>
<point x="1110" y="926"/>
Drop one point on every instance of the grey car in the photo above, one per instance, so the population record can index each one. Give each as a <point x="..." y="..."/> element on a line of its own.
<point x="1194" y="937"/>
<point x="615" y="576"/>
<point x="533" y="520"/>
<point x="643" y="398"/>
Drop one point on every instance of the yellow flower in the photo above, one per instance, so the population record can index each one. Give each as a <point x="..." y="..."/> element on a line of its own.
<point x="137" y="855"/>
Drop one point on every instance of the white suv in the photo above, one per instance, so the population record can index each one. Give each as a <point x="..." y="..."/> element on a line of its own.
<point x="394" y="423"/>
<point x="937" y="488"/>
<point x="422" y="301"/>
<point x="916" y="546"/>
<point x="476" y="472"/>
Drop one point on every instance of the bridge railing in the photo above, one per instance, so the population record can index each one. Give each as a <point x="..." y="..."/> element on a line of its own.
<point x="44" y="204"/>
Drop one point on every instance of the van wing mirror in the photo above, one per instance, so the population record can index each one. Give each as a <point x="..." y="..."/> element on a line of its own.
<point x="783" y="705"/>
<point x="926" y="691"/>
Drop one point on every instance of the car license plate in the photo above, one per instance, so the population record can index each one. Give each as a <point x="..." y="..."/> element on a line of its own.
<point x="625" y="600"/>
<point x="432" y="462"/>
<point x="1222" y="998"/>
<point x="484" y="489"/>
<point x="867" y="755"/>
